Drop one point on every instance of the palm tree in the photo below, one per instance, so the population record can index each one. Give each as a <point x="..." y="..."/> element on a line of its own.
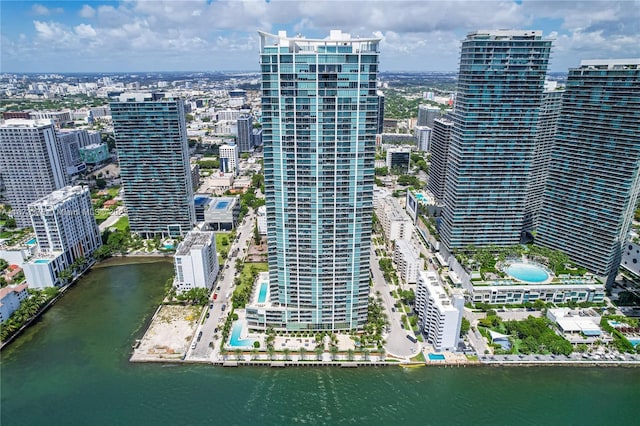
<point x="270" y="351"/>
<point x="350" y="354"/>
<point x="223" y="352"/>
<point x="382" y="353"/>
<point x="254" y="353"/>
<point x="238" y="353"/>
<point x="365" y="354"/>
<point x="319" y="352"/>
<point x="302" y="353"/>
<point x="334" y="352"/>
<point x="286" y="354"/>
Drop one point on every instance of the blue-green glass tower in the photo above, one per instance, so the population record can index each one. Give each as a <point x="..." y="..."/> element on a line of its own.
<point x="319" y="116"/>
<point x="594" y="174"/>
<point x="500" y="86"/>
<point x="151" y="137"/>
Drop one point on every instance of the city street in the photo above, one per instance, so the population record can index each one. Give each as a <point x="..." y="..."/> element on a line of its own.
<point x="216" y="315"/>
<point x="397" y="342"/>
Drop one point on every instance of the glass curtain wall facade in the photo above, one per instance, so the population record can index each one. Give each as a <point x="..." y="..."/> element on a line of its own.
<point x="500" y="85"/>
<point x="151" y="137"/>
<point x="593" y="182"/>
<point x="319" y="116"/>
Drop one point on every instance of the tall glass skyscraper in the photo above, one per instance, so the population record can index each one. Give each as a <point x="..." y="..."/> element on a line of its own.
<point x="319" y="116"/>
<point x="594" y="175"/>
<point x="151" y="137"/>
<point x="500" y="85"/>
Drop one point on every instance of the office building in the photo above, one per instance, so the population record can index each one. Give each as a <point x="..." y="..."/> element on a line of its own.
<point x="245" y="133"/>
<point x="398" y="160"/>
<point x="151" y="138"/>
<point x="320" y="118"/>
<point x="440" y="140"/>
<point x="229" y="159"/>
<point x="500" y="85"/>
<point x="439" y="316"/>
<point x="423" y="138"/>
<point x="196" y="261"/>
<point x="594" y="176"/>
<point x="545" y="135"/>
<point x="427" y="114"/>
<point x="32" y="163"/>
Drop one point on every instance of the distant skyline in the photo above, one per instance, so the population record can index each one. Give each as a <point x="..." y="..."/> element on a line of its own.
<point x="210" y="35"/>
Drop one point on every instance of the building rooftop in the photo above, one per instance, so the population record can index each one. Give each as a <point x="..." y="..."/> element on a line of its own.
<point x="9" y="289"/>
<point x="194" y="239"/>
<point x="504" y="34"/>
<point x="436" y="291"/>
<point x="610" y="63"/>
<point x="222" y="203"/>
<point x="12" y="123"/>
<point x="59" y="195"/>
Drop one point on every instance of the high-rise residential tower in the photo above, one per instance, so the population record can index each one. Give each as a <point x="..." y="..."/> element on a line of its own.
<point x="151" y="138"/>
<point x="32" y="163"/>
<point x="320" y="116"/>
<point x="500" y="87"/>
<point x="440" y="139"/>
<point x="545" y="136"/>
<point x="594" y="176"/>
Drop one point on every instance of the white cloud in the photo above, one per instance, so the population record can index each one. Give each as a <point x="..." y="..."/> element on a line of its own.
<point x="87" y="12"/>
<point x="41" y="10"/>
<point x="85" y="31"/>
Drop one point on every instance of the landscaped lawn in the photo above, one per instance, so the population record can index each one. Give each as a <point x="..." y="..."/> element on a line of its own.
<point x="122" y="224"/>
<point x="242" y="293"/>
<point x="114" y="191"/>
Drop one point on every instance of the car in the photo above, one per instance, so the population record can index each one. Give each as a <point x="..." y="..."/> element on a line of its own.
<point x="218" y="288"/>
<point x="402" y="326"/>
<point x="215" y="296"/>
<point x="193" y="345"/>
<point x="208" y="314"/>
<point x="224" y="307"/>
<point x="210" y="305"/>
<point x="411" y="338"/>
<point x="393" y="309"/>
<point x="215" y="330"/>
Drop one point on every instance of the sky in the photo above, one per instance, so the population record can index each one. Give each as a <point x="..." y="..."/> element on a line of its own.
<point x="211" y="35"/>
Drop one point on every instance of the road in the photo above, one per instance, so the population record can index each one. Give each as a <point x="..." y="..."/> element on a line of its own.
<point x="397" y="342"/>
<point x="111" y="220"/>
<point x="227" y="273"/>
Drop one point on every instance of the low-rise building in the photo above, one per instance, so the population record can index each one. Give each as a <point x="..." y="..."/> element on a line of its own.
<point x="196" y="261"/>
<point x="408" y="261"/>
<point x="10" y="299"/>
<point x="262" y="220"/>
<point x="439" y="316"/>
<point x="222" y="213"/>
<point x="399" y="159"/>
<point x="579" y="326"/>
<point x="95" y="153"/>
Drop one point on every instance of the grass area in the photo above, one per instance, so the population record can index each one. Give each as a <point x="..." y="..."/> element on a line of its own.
<point x="419" y="358"/>
<point x="114" y="191"/>
<point x="244" y="281"/>
<point x="102" y="215"/>
<point x="122" y="224"/>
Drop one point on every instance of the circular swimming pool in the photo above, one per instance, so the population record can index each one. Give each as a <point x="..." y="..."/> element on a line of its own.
<point x="527" y="272"/>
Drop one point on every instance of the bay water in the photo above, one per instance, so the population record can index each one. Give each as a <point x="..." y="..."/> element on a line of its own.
<point x="71" y="368"/>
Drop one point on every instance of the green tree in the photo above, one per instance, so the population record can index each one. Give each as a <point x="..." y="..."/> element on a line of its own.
<point x="465" y="326"/>
<point x="257" y="239"/>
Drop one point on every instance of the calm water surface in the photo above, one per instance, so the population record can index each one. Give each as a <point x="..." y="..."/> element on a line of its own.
<point x="71" y="368"/>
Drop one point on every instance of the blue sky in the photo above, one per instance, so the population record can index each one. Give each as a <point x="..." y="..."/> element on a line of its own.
<point x="209" y="35"/>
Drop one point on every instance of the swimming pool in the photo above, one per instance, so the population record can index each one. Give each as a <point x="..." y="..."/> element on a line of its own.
<point x="31" y="241"/>
<point x="169" y="246"/>
<point x="235" y="340"/>
<point x="527" y="272"/>
<point x="222" y="205"/>
<point x="436" y="357"/>
<point x="420" y="197"/>
<point x="42" y="261"/>
<point x="262" y="296"/>
<point x="634" y="342"/>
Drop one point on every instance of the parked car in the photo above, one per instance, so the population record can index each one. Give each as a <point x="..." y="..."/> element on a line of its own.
<point x="224" y="307"/>
<point x="411" y="338"/>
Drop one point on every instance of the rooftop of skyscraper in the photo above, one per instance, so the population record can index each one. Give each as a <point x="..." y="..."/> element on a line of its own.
<point x="611" y="63"/>
<point x="194" y="239"/>
<point x="25" y="123"/>
<point x="335" y="38"/>
<point x="60" y="195"/>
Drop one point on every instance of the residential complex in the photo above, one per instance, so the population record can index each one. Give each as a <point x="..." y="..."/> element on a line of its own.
<point x="10" y="299"/>
<point x="408" y="261"/>
<point x="245" y="133"/>
<point x="151" y="138"/>
<point x="500" y="85"/>
<point x="320" y="117"/>
<point x="427" y="115"/>
<point x="196" y="261"/>
<point x="594" y="179"/>
<point x="396" y="224"/>
<point x="439" y="316"/>
<point x="66" y="231"/>
<point x="32" y="163"/>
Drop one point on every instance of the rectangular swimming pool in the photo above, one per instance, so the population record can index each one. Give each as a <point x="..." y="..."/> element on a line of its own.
<point x="436" y="357"/>
<point x="42" y="261"/>
<point x="222" y="205"/>
<point x="262" y="296"/>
